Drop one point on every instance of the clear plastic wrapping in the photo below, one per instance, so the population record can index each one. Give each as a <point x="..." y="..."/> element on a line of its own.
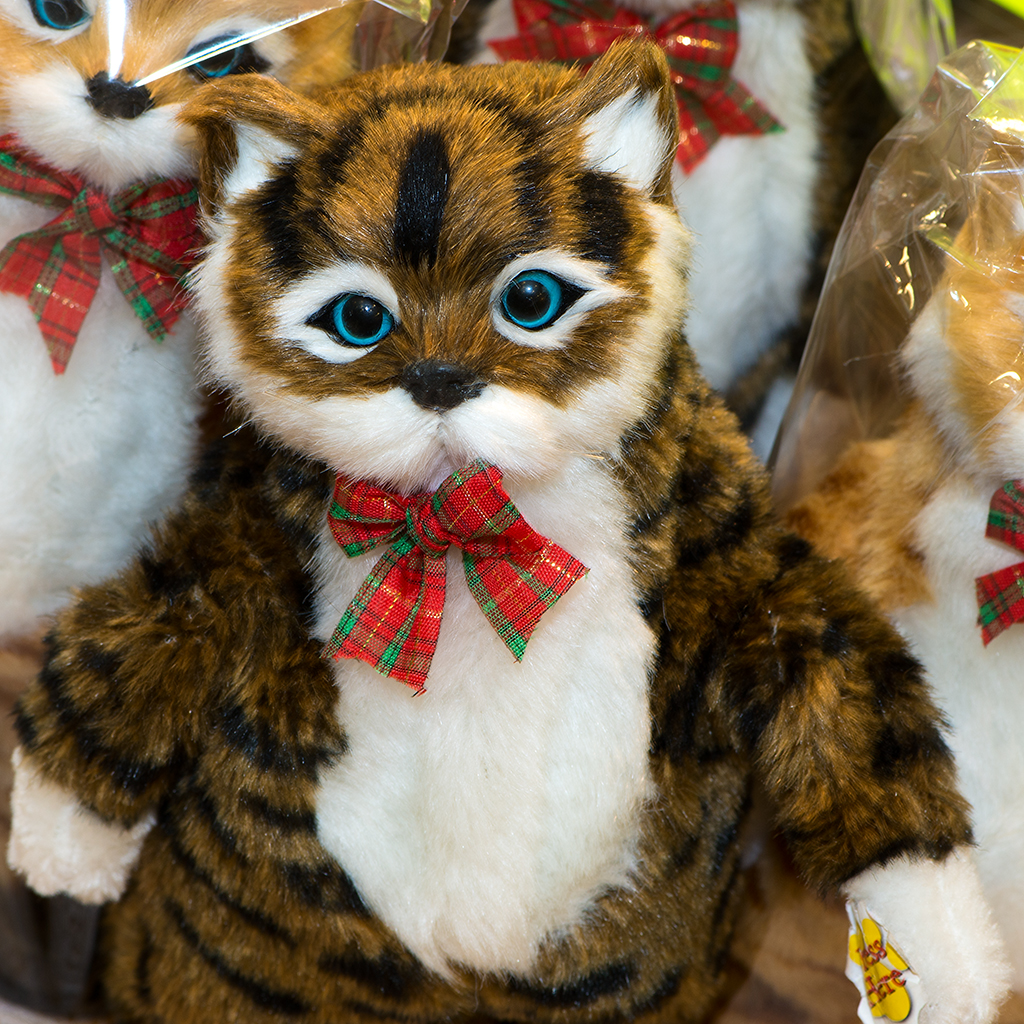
<point x="935" y="228"/>
<point x="904" y="40"/>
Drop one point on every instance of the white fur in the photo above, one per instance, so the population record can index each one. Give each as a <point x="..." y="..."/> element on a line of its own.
<point x="625" y="137"/>
<point x="51" y="114"/>
<point x="489" y="812"/>
<point x="749" y="201"/>
<point x="59" y="846"/>
<point x="258" y="152"/>
<point x="92" y="456"/>
<point x="936" y="917"/>
<point x="979" y="690"/>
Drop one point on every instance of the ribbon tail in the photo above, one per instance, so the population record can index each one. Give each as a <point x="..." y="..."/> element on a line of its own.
<point x="1000" y="600"/>
<point x="394" y="620"/>
<point x="59" y="286"/>
<point x="514" y="592"/>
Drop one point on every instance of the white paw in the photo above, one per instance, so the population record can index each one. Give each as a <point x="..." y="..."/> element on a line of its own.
<point x="59" y="845"/>
<point x="938" y="919"/>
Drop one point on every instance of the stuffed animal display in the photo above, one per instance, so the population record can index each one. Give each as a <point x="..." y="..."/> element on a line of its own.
<point x="930" y="520"/>
<point x="778" y="110"/>
<point x="447" y="688"/>
<point x="98" y="397"/>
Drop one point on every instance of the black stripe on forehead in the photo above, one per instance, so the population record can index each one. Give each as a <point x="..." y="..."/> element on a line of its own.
<point x="278" y="212"/>
<point x="421" y="199"/>
<point x="289" y="216"/>
<point x="532" y="176"/>
<point x="606" y="226"/>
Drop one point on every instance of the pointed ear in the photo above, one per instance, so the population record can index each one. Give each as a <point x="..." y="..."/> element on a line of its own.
<point x="244" y="126"/>
<point x="631" y="126"/>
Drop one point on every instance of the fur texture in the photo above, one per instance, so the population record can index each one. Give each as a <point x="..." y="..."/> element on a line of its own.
<point x="92" y="457"/>
<point x="554" y="840"/>
<point x="764" y="208"/>
<point x="908" y="513"/>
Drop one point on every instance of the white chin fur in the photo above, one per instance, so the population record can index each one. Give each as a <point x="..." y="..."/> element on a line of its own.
<point x="939" y="921"/>
<point x="52" y="115"/>
<point x="60" y="846"/>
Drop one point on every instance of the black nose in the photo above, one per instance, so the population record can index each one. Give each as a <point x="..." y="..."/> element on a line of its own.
<point x="114" y="97"/>
<point x="440" y="386"/>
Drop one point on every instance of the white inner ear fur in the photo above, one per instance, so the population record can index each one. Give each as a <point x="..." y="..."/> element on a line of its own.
<point x="258" y="152"/>
<point x="626" y="137"/>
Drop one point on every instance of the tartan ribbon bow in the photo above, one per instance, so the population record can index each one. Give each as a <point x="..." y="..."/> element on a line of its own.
<point x="393" y="622"/>
<point x="1001" y="593"/>
<point x="149" y="233"/>
<point x="700" y="44"/>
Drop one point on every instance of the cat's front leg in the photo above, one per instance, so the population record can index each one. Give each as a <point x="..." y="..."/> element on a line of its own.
<point x="60" y="846"/>
<point x="936" y="917"/>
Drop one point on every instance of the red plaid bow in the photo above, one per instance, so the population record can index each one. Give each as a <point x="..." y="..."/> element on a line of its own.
<point x="700" y="44"/>
<point x="149" y="232"/>
<point x="1001" y="593"/>
<point x="393" y="622"/>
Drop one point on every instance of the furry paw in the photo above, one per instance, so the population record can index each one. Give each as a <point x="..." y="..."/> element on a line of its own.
<point x="59" y="845"/>
<point x="938" y="918"/>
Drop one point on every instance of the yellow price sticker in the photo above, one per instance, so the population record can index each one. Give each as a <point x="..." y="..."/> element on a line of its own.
<point x="890" y="990"/>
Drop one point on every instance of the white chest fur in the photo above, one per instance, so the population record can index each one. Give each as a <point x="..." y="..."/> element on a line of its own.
<point x="91" y="456"/>
<point x="749" y="202"/>
<point x="980" y="689"/>
<point x="488" y="813"/>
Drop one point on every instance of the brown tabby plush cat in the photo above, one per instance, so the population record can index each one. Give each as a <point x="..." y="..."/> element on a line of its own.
<point x="455" y="296"/>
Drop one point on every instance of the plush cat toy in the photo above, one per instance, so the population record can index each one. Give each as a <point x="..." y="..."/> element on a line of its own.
<point x="448" y="693"/>
<point x="929" y="519"/>
<point x="98" y="399"/>
<point x="778" y="110"/>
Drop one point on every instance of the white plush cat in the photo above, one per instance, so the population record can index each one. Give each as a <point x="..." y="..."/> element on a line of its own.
<point x="96" y="442"/>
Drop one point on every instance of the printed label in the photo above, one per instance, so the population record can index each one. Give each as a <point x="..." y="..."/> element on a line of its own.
<point x="889" y="989"/>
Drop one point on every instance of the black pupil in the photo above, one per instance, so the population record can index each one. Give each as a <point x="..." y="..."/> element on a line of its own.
<point x="59" y="13"/>
<point x="236" y="61"/>
<point x="362" y="317"/>
<point x="528" y="301"/>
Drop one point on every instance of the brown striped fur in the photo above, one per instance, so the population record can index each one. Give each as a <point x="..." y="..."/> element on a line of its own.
<point x="191" y="684"/>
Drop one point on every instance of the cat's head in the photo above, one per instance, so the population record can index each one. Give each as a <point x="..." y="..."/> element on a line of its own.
<point x="964" y="358"/>
<point x="69" y="87"/>
<point x="434" y="264"/>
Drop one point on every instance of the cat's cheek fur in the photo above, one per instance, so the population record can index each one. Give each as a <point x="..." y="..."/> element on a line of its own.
<point x="52" y="116"/>
<point x="942" y="935"/>
<point x="60" y="846"/>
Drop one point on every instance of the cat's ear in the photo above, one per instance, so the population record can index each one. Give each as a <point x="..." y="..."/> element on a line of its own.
<point x="630" y="120"/>
<point x="245" y="126"/>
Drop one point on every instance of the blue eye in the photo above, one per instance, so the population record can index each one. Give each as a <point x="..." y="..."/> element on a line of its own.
<point x="59" y="14"/>
<point x="236" y="61"/>
<point x="534" y="299"/>
<point x="359" y="320"/>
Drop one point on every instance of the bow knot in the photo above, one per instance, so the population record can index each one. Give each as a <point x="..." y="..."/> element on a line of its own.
<point x="93" y="212"/>
<point x="426" y="528"/>
<point x="149" y="233"/>
<point x="700" y="43"/>
<point x="394" y="620"/>
<point x="1001" y="594"/>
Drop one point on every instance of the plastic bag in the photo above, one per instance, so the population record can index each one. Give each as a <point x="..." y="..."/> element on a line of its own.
<point x="943" y="190"/>
<point x="904" y="40"/>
